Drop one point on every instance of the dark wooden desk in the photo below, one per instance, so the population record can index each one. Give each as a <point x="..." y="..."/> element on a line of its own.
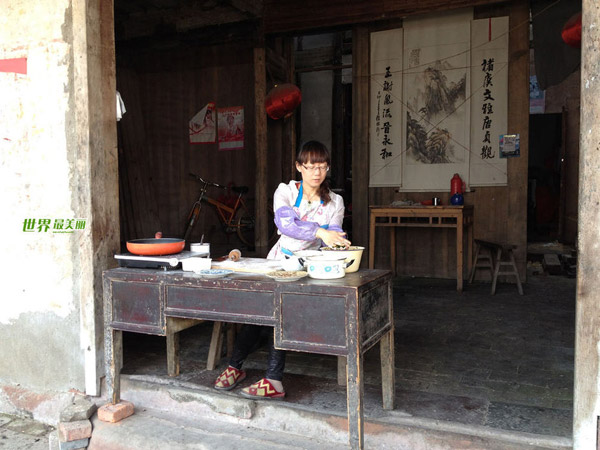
<point x="343" y="317"/>
<point x="458" y="217"/>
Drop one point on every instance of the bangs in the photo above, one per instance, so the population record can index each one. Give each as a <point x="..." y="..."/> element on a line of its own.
<point x="312" y="157"/>
<point x="314" y="153"/>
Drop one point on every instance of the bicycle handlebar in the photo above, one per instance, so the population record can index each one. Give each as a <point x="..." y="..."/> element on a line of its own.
<point x="207" y="183"/>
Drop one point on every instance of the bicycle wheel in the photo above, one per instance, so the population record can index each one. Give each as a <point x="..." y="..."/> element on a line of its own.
<point x="245" y="224"/>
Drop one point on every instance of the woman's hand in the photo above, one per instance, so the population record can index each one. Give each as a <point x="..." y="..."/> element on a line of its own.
<point x="331" y="238"/>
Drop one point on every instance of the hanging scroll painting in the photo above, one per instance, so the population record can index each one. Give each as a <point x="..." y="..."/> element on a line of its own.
<point x="436" y="97"/>
<point x="439" y="102"/>
<point x="489" y="106"/>
<point x="386" y="108"/>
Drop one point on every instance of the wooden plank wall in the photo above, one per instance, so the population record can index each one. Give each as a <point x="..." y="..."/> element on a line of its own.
<point x="500" y="212"/>
<point x="138" y="204"/>
<point x="261" y="144"/>
<point x="162" y="91"/>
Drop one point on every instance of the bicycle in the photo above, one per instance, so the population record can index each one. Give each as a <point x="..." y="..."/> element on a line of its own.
<point x="235" y="218"/>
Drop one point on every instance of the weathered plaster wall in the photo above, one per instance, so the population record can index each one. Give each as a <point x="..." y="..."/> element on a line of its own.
<point x="39" y="318"/>
<point x="52" y="167"/>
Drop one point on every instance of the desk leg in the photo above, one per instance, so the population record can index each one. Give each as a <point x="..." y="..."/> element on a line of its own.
<point x="172" y="353"/>
<point x="393" y="249"/>
<point x="469" y="247"/>
<point x="114" y="356"/>
<point x="341" y="370"/>
<point x="214" y="351"/>
<point x="459" y="254"/>
<point x="174" y="326"/>
<point x="372" y="241"/>
<point x="354" y="392"/>
<point x="388" y="378"/>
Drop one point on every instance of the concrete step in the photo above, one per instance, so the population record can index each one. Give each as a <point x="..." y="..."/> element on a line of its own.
<point x="177" y="415"/>
<point x="151" y="429"/>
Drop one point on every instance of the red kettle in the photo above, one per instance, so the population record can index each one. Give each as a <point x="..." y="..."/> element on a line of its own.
<point x="457" y="185"/>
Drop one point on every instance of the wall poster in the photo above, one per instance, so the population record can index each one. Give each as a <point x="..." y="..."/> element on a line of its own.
<point x="231" y="128"/>
<point x="436" y="95"/>
<point x="489" y="107"/>
<point x="385" y="131"/>
<point x="510" y="145"/>
<point x="202" y="127"/>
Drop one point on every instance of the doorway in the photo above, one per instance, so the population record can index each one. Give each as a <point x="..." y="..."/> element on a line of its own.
<point x="323" y="71"/>
<point x="543" y="206"/>
<point x="346" y="101"/>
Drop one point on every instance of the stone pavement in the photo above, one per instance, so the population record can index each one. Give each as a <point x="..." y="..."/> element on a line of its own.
<point x="17" y="433"/>
<point x="512" y="355"/>
<point x="503" y="362"/>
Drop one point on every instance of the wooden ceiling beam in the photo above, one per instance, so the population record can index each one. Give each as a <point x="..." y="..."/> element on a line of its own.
<point x="254" y="8"/>
<point x="213" y="35"/>
<point x="292" y="16"/>
<point x="134" y="19"/>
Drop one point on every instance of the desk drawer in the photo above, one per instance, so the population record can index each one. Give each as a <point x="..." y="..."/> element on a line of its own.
<point x="136" y="307"/>
<point x="221" y="304"/>
<point x="312" y="323"/>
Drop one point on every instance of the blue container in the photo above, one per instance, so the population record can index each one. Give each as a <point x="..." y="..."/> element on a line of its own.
<point x="457" y="200"/>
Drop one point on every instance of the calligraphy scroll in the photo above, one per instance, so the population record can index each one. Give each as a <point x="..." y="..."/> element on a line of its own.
<point x="489" y="103"/>
<point x="386" y="108"/>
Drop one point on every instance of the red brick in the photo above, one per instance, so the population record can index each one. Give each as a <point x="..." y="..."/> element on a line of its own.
<point x="73" y="431"/>
<point x="115" y="412"/>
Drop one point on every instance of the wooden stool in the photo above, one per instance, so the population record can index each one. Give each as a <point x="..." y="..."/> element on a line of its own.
<point x="482" y="260"/>
<point x="495" y="262"/>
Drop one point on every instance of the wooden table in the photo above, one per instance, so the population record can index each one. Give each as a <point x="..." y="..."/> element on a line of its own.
<point x="458" y="217"/>
<point x="343" y="317"/>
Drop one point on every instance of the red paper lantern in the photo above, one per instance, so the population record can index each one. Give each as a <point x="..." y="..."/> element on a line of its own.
<point x="571" y="32"/>
<point x="282" y="100"/>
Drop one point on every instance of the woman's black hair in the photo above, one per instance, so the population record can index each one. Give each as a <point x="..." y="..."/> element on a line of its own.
<point x="315" y="152"/>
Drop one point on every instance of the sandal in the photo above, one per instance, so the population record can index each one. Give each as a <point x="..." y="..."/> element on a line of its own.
<point x="229" y="379"/>
<point x="262" y="389"/>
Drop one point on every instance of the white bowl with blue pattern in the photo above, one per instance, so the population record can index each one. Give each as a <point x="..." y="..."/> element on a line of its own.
<point x="326" y="267"/>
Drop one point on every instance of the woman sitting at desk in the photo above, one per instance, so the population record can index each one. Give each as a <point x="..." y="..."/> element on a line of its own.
<point x="307" y="214"/>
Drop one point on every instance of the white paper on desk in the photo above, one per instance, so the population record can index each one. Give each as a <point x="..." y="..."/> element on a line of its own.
<point x="249" y="265"/>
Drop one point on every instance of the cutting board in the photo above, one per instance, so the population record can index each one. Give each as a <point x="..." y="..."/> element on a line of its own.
<point x="249" y="265"/>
